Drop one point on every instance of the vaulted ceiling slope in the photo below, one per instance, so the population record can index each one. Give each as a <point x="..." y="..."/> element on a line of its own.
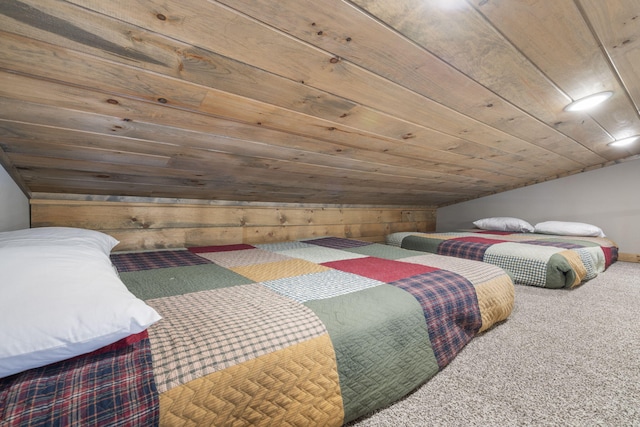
<point x="386" y="102"/>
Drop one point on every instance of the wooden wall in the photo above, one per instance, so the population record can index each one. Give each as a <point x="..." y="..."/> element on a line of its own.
<point x="628" y="257"/>
<point x="140" y="224"/>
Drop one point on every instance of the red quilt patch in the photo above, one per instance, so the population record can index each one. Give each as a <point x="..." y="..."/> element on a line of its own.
<point x="384" y="270"/>
<point x="610" y="255"/>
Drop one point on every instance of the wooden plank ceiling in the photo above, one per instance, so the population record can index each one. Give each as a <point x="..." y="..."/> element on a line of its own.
<point x="385" y="102"/>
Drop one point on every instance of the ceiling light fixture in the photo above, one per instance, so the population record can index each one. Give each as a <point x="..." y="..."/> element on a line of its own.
<point x="624" y="142"/>
<point x="588" y="101"/>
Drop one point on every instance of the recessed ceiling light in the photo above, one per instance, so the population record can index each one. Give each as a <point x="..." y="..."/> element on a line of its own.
<point x="588" y="101"/>
<point x="624" y="142"/>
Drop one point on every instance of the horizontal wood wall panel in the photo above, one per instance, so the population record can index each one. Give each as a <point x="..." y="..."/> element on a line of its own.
<point x="627" y="257"/>
<point x="174" y="237"/>
<point x="145" y="225"/>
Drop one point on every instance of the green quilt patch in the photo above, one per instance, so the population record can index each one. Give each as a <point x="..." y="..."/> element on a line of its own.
<point x="422" y="244"/>
<point x="166" y="282"/>
<point x="394" y="356"/>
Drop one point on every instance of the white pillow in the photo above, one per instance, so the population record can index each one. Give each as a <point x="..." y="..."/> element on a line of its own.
<point x="64" y="236"/>
<point x="565" y="228"/>
<point x="504" y="223"/>
<point x="61" y="301"/>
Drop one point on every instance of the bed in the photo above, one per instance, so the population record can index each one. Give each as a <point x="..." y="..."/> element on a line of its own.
<point x="534" y="259"/>
<point x="310" y="332"/>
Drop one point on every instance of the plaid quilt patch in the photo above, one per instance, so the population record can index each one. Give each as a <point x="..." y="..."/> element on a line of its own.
<point x="473" y="249"/>
<point x="337" y="242"/>
<point x="220" y="248"/>
<point x="496" y="232"/>
<point x="283" y="246"/>
<point x="526" y="271"/>
<point x="451" y="309"/>
<point x="327" y="284"/>
<point x="205" y="332"/>
<point x="474" y="239"/>
<point x="588" y="264"/>
<point x="382" y="251"/>
<point x="475" y="272"/>
<point x="554" y="244"/>
<point x="320" y="254"/>
<point x="112" y="387"/>
<point x="252" y="256"/>
<point x="157" y="259"/>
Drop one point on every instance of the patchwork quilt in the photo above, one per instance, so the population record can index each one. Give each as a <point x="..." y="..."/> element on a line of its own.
<point x="311" y="332"/>
<point x="542" y="260"/>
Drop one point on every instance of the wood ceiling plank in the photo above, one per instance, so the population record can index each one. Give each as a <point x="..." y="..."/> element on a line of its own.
<point x="33" y="90"/>
<point x="117" y="81"/>
<point x="70" y="26"/>
<point x="410" y="155"/>
<point x="188" y="166"/>
<point x="489" y="59"/>
<point x="79" y="150"/>
<point x="43" y="133"/>
<point x="112" y="133"/>
<point x="196" y="164"/>
<point x="21" y="54"/>
<point x="208" y="26"/>
<point x="239" y="100"/>
<point x="472" y="150"/>
<point x="576" y="64"/>
<point x="281" y="119"/>
<point x="337" y="27"/>
<point x="617" y="26"/>
<point x="43" y="180"/>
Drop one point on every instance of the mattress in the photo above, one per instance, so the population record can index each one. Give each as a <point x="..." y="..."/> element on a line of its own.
<point x="311" y="332"/>
<point x="543" y="260"/>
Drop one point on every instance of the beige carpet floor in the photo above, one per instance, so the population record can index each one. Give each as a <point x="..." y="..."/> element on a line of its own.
<point x="563" y="358"/>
